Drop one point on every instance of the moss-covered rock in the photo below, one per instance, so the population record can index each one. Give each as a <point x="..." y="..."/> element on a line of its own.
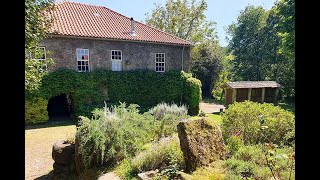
<point x="201" y="142"/>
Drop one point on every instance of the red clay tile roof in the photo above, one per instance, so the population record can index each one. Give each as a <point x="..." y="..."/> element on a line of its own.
<point x="83" y="20"/>
<point x="251" y="84"/>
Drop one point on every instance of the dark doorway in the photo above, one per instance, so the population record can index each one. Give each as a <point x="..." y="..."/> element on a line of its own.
<point x="59" y="109"/>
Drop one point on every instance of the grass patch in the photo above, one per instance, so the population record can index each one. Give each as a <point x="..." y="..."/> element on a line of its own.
<point x="38" y="147"/>
<point x="215" y="117"/>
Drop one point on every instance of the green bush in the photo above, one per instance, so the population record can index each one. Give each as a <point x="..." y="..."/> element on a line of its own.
<point x="160" y="155"/>
<point x="214" y="171"/>
<point x="146" y="88"/>
<point x="160" y="110"/>
<point x="164" y="155"/>
<point x="250" y="162"/>
<point x="233" y="144"/>
<point x="166" y="118"/>
<point x="254" y="123"/>
<point x="112" y="135"/>
<point x="193" y="95"/>
<point x="36" y="111"/>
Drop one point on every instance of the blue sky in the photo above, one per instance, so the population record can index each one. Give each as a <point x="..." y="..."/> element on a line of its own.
<point x="223" y="12"/>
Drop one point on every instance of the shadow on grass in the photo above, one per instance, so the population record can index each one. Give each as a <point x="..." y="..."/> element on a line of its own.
<point x="288" y="106"/>
<point x="51" y="124"/>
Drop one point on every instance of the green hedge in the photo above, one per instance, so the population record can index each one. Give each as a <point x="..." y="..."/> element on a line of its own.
<point x="146" y="88"/>
<point x="193" y="95"/>
<point x="36" y="111"/>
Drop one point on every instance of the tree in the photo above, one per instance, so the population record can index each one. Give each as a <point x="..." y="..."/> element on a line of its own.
<point x="224" y="76"/>
<point x="263" y="45"/>
<point x="186" y="19"/>
<point x="206" y="65"/>
<point x="246" y="44"/>
<point x="37" y="22"/>
<point x="285" y="11"/>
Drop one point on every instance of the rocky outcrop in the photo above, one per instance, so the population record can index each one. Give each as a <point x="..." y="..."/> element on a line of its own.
<point x="201" y="142"/>
<point x="63" y="156"/>
<point x="147" y="175"/>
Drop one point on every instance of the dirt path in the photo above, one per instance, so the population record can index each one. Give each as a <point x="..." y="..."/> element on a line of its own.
<point x="211" y="107"/>
<point x="109" y="176"/>
<point x="38" y="148"/>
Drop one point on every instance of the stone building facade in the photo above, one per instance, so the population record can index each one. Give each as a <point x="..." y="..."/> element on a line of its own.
<point x="134" y="55"/>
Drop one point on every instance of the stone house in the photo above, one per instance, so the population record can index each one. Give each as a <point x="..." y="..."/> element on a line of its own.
<point x="86" y="37"/>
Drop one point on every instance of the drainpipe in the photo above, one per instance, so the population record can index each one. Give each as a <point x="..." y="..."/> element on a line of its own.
<point x="182" y="58"/>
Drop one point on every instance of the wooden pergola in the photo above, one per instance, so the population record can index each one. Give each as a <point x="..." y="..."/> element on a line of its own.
<point x="257" y="91"/>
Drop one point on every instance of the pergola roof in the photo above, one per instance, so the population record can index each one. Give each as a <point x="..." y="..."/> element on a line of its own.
<point x="251" y="84"/>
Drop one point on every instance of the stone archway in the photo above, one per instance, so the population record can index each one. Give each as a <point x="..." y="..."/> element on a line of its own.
<point x="60" y="108"/>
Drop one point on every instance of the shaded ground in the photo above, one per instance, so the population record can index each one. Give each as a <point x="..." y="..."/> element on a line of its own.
<point x="38" y="147"/>
<point x="288" y="106"/>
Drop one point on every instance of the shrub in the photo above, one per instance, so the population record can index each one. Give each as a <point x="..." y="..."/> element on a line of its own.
<point x="159" y="155"/>
<point x="112" y="135"/>
<point x="214" y="171"/>
<point x="246" y="119"/>
<point x="166" y="118"/>
<point x="146" y="88"/>
<point x="36" y="111"/>
<point x="193" y="95"/>
<point x="160" y="110"/>
<point x="233" y="144"/>
<point x="250" y="161"/>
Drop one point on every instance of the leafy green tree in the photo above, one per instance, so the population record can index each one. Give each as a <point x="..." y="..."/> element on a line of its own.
<point x="247" y="37"/>
<point x="184" y="19"/>
<point x="284" y="10"/>
<point x="37" y="22"/>
<point x="224" y="76"/>
<point x="263" y="45"/>
<point x="206" y="65"/>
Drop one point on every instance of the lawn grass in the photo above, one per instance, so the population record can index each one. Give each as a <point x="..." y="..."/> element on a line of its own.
<point x="215" y="117"/>
<point x="38" y="147"/>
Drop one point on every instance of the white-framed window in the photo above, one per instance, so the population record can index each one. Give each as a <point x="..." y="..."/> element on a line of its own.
<point x="160" y="62"/>
<point x="83" y="60"/>
<point x="40" y="55"/>
<point x="116" y="60"/>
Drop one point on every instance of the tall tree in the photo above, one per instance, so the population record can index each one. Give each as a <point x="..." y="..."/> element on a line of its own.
<point x="206" y="65"/>
<point x="37" y="22"/>
<point x="247" y="37"/>
<point x="263" y="45"/>
<point x="285" y="11"/>
<point x="183" y="18"/>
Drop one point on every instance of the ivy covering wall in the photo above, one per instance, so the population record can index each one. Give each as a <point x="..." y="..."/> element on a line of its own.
<point x="145" y="88"/>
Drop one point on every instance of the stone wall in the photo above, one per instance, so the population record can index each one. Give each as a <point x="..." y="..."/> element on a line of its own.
<point x="135" y="55"/>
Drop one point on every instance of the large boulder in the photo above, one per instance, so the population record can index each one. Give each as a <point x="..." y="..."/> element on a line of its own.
<point x="63" y="152"/>
<point x="201" y="142"/>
